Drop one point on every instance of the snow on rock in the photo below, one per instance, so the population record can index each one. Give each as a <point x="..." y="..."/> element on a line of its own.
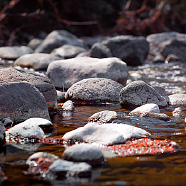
<point x="105" y="133"/>
<point x="68" y="106"/>
<point x="150" y="107"/>
<point x="29" y="128"/>
<point x="84" y="153"/>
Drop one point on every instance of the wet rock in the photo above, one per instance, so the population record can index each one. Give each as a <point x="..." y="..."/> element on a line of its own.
<point x="68" y="51"/>
<point x="34" y="43"/>
<point x="175" y="47"/>
<point x="159" y="116"/>
<point x="139" y="93"/>
<point x="2" y="134"/>
<point x="14" y="52"/>
<point x="26" y="130"/>
<point x="64" y="73"/>
<point x="177" y="99"/>
<point x="178" y="112"/>
<point x="103" y="116"/>
<point x="132" y="50"/>
<point x="105" y="134"/>
<point x="84" y="153"/>
<point x="62" y="168"/>
<point x="99" y="50"/>
<point x="150" y="107"/>
<point x="94" y="89"/>
<point x="161" y="91"/>
<point x="21" y="101"/>
<point x="42" y="83"/>
<point x="7" y="121"/>
<point x="56" y="39"/>
<point x="68" y="106"/>
<point x="36" y="61"/>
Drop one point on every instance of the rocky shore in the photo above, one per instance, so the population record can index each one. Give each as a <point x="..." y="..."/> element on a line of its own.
<point x="141" y="74"/>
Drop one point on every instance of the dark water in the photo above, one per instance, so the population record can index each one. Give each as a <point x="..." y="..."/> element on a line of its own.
<point x="165" y="169"/>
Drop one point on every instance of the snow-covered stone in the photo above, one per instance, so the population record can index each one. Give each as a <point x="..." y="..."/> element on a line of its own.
<point x="177" y="112"/>
<point x="68" y="106"/>
<point x="177" y="99"/>
<point x="84" y="153"/>
<point x="105" y="133"/>
<point x="150" y="107"/>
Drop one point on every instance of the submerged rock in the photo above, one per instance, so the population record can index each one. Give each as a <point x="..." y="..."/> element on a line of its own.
<point x="105" y="134"/>
<point x="94" y="89"/>
<point x="84" y="153"/>
<point x="104" y="116"/>
<point x="42" y="83"/>
<point x="21" y="101"/>
<point x="139" y="93"/>
<point x="36" y="61"/>
<point x="64" y="73"/>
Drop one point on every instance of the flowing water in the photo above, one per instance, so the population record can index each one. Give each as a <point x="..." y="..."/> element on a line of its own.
<point x="164" y="169"/>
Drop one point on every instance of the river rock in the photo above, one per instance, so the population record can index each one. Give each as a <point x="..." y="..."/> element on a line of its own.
<point x="160" y="116"/>
<point x="104" y="116"/>
<point x="64" y="73"/>
<point x="26" y="130"/>
<point x="34" y="43"/>
<point x="99" y="50"/>
<point x="42" y="83"/>
<point x="178" y="112"/>
<point x="139" y="93"/>
<point x="84" y="153"/>
<point x="21" y="101"/>
<point x="35" y="61"/>
<point x="94" y="89"/>
<point x="150" y="107"/>
<point x="14" y="52"/>
<point x="175" y="47"/>
<point x="58" y="38"/>
<point x="131" y="49"/>
<point x="61" y="168"/>
<point x="68" y="51"/>
<point x="177" y="99"/>
<point x="60" y="96"/>
<point x="105" y="134"/>
<point x="68" y="106"/>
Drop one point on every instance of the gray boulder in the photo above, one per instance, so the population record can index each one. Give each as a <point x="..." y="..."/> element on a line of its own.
<point x="35" y="61"/>
<point x="139" y="93"/>
<point x="21" y="101"/>
<point x="94" y="89"/>
<point x="132" y="50"/>
<point x="175" y="47"/>
<point x="42" y="83"/>
<point x="56" y="39"/>
<point x="64" y="73"/>
<point x="2" y="134"/>
<point x="68" y="51"/>
<point x="99" y="50"/>
<point x="14" y="52"/>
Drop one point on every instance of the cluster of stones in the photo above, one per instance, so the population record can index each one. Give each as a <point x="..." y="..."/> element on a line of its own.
<point x="63" y="67"/>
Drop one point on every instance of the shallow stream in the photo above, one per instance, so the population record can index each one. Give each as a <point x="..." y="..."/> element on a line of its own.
<point x="165" y="169"/>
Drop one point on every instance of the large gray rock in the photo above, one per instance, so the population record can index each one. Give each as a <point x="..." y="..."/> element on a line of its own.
<point x="132" y="50"/>
<point x="56" y="39"/>
<point x="14" y="52"/>
<point x="139" y="93"/>
<point x="175" y="47"/>
<point x="36" y="61"/>
<point x="43" y="84"/>
<point x="95" y="89"/>
<point x="64" y="73"/>
<point x="21" y="101"/>
<point x="68" y="51"/>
